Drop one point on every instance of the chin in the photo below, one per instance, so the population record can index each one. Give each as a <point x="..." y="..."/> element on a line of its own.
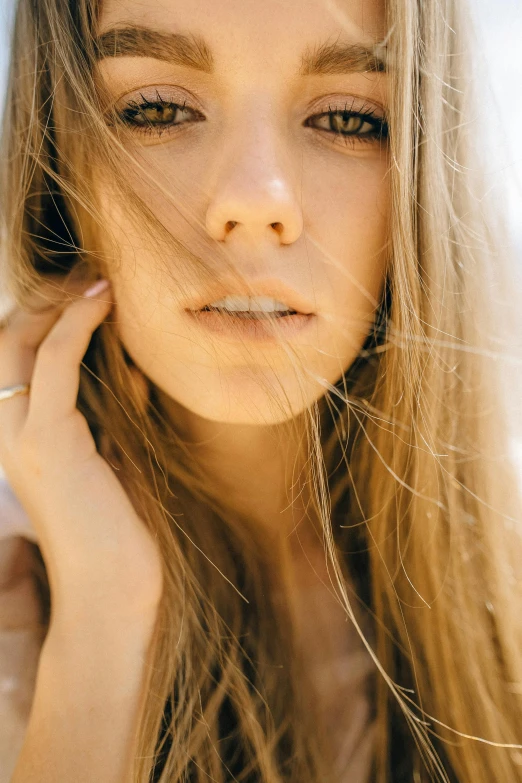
<point x="244" y="397"/>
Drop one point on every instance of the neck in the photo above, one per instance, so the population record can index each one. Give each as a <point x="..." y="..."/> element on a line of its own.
<point x="259" y="470"/>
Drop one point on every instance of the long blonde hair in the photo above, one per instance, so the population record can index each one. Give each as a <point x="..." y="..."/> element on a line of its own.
<point x="409" y="453"/>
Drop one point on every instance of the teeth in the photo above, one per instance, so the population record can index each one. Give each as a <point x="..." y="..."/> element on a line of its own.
<point x="263" y="304"/>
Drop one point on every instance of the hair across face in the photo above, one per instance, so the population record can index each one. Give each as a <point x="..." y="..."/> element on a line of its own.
<point x="259" y="138"/>
<point x="244" y="144"/>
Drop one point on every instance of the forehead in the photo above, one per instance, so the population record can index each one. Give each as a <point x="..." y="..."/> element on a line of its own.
<point x="270" y="31"/>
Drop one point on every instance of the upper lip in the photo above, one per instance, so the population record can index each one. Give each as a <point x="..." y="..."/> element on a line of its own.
<point x="268" y="287"/>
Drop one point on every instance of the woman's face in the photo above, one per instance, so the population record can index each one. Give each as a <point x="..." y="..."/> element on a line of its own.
<point x="266" y="125"/>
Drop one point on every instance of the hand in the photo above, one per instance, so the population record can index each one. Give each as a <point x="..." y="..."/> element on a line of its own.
<point x="101" y="560"/>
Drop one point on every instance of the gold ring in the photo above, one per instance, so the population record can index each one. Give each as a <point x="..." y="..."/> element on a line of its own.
<point x="12" y="391"/>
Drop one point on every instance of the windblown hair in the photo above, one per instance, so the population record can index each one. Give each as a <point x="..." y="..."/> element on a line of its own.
<point x="409" y="453"/>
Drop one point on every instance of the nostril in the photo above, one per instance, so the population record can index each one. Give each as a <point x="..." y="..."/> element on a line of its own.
<point x="230" y="224"/>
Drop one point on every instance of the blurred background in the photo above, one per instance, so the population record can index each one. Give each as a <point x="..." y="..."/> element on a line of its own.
<point x="499" y="28"/>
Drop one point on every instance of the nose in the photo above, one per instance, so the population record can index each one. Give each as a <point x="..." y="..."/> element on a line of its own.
<point x="254" y="193"/>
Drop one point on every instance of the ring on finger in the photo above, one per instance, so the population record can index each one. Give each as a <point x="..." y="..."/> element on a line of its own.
<point x="12" y="391"/>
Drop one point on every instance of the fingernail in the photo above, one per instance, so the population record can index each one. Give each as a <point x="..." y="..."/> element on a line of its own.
<point x="97" y="288"/>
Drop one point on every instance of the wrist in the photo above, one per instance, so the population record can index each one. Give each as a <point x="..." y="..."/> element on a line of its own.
<point x="94" y="624"/>
<point x="96" y="659"/>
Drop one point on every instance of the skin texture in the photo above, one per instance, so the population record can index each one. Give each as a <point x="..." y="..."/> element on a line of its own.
<point x="98" y="553"/>
<point x="51" y="461"/>
<point x="251" y="161"/>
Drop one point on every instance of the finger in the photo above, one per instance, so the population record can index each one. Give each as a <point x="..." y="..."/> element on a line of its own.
<point x="21" y="333"/>
<point x="56" y="377"/>
<point x="53" y="291"/>
<point x="28" y="325"/>
<point x="18" y="344"/>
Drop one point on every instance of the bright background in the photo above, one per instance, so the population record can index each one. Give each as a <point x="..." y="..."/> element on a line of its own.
<point x="499" y="24"/>
<point x="500" y="30"/>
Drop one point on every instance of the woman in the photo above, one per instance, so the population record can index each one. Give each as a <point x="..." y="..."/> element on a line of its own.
<point x="254" y="400"/>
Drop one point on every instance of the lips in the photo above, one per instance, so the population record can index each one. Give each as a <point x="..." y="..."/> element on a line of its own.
<point x="249" y="315"/>
<point x="235" y="328"/>
<point x="272" y="287"/>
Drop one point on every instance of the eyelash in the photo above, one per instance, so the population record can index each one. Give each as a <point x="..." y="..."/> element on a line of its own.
<point x="379" y="132"/>
<point x="367" y="115"/>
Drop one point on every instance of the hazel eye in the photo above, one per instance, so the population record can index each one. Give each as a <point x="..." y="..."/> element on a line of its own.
<point x="350" y="125"/>
<point x="156" y="115"/>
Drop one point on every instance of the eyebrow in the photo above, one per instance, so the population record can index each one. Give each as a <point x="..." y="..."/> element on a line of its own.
<point x="343" y="58"/>
<point x="191" y="51"/>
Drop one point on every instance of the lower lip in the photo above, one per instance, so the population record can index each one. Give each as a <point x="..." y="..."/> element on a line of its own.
<point x="257" y="329"/>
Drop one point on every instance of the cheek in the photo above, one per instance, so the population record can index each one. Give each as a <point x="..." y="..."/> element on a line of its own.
<point x="346" y="207"/>
<point x="345" y="200"/>
<point x="350" y="205"/>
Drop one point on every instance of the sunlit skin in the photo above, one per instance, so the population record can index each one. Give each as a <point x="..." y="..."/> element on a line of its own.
<point x="282" y="199"/>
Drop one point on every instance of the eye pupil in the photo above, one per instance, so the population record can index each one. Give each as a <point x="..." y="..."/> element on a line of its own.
<point x="156" y="113"/>
<point x="160" y="114"/>
<point x="344" y="122"/>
